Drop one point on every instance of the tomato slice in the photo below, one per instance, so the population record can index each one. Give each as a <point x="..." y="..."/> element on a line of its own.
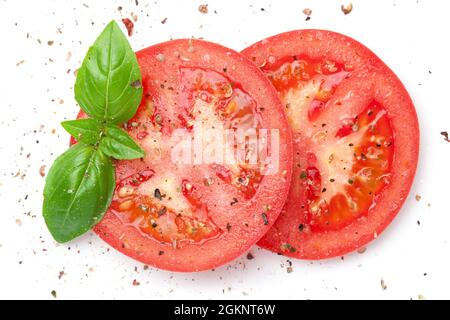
<point x="200" y="214"/>
<point x="356" y="141"/>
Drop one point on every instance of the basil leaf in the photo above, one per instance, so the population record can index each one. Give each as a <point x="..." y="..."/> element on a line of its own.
<point x="86" y="130"/>
<point x="78" y="191"/>
<point x="118" y="144"/>
<point x="108" y="85"/>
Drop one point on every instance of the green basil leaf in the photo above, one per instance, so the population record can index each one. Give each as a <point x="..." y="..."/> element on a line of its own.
<point x="86" y="130"/>
<point x="119" y="145"/>
<point x="108" y="85"/>
<point x="78" y="191"/>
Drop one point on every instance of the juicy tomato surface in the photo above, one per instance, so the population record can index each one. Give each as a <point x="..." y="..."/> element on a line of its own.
<point x="356" y="141"/>
<point x="193" y="217"/>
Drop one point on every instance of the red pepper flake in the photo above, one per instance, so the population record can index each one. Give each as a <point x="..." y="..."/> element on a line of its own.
<point x="203" y="8"/>
<point x="445" y="135"/>
<point x="42" y="171"/>
<point x="129" y="25"/>
<point x="136" y="283"/>
<point x="346" y="9"/>
<point x="362" y="250"/>
<point x="418" y="197"/>
<point x="307" y="12"/>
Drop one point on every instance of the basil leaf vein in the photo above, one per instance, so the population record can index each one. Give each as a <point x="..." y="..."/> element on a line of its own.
<point x="106" y="82"/>
<point x="78" y="191"/>
<point x="86" y="130"/>
<point x="119" y="145"/>
<point x="80" y="184"/>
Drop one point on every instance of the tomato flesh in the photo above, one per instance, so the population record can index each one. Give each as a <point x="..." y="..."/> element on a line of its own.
<point x="369" y="173"/>
<point x="355" y="142"/>
<point x="200" y="214"/>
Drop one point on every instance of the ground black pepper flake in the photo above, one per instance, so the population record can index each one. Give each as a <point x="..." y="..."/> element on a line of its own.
<point x="289" y="268"/>
<point x="228" y="227"/>
<point x="265" y="219"/>
<point x="157" y="194"/>
<point x="53" y="293"/>
<point x="162" y="211"/>
<point x="250" y="256"/>
<point x="232" y="203"/>
<point x="301" y="227"/>
<point x="160" y="253"/>
<point x="136" y="84"/>
<point x="303" y="175"/>
<point x="445" y="135"/>
<point x="383" y="284"/>
<point x="287" y="247"/>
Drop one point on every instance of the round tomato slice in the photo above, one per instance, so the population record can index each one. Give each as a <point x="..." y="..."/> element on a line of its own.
<point x="173" y="209"/>
<point x="356" y="142"/>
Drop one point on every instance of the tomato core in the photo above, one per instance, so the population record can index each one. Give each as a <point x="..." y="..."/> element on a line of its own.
<point x="341" y="182"/>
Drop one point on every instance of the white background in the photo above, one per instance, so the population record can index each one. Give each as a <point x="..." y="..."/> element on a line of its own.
<point x="410" y="36"/>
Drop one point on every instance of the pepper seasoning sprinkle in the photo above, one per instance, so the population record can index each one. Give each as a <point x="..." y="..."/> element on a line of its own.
<point x="265" y="219"/>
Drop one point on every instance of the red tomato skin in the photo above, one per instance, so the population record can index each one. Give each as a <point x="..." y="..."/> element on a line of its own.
<point x="319" y="44"/>
<point x="243" y="234"/>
